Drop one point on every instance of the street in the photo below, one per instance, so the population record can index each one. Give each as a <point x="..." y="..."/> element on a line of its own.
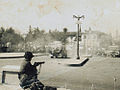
<point x="99" y="73"/>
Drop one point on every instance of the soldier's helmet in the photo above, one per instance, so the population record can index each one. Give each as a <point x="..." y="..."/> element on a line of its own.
<point x="28" y="55"/>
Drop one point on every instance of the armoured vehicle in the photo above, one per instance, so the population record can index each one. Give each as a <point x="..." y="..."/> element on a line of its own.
<point x="57" y="49"/>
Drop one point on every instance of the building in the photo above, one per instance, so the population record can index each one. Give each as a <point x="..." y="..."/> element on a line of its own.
<point x="93" y="41"/>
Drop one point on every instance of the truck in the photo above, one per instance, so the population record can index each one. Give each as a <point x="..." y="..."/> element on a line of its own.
<point x="57" y="49"/>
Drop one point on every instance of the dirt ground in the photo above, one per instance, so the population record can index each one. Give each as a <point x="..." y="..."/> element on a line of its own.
<point x="99" y="73"/>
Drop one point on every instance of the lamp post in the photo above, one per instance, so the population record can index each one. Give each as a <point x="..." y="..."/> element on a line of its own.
<point x="78" y="33"/>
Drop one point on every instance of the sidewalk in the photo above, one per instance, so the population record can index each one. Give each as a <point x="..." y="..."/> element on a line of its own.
<point x="10" y="87"/>
<point x="11" y="54"/>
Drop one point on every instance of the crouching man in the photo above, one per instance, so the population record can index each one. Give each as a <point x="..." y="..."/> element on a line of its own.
<point x="28" y="73"/>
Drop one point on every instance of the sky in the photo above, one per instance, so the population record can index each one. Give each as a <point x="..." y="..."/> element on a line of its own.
<point x="101" y="15"/>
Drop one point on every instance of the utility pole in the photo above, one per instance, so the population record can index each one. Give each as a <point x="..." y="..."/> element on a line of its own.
<point x="78" y="33"/>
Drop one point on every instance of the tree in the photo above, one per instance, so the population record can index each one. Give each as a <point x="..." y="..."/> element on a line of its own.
<point x="65" y="30"/>
<point x="2" y="30"/>
<point x="59" y="36"/>
<point x="9" y="35"/>
<point x="64" y="39"/>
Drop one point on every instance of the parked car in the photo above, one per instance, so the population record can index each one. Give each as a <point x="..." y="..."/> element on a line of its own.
<point x="113" y="51"/>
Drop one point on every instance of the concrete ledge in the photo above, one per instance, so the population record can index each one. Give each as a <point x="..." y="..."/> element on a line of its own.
<point x="9" y="69"/>
<point x="62" y="89"/>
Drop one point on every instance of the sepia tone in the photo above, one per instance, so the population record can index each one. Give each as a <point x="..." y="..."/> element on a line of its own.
<point x="76" y="43"/>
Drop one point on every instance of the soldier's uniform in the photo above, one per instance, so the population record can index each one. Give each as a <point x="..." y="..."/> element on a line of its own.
<point x="28" y="72"/>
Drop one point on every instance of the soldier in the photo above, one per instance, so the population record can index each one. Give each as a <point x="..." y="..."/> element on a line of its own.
<point x="28" y="72"/>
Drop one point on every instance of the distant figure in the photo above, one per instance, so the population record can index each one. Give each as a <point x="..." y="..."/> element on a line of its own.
<point x="28" y="72"/>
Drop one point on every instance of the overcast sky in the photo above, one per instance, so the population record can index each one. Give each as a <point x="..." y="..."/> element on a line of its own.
<point x="102" y="15"/>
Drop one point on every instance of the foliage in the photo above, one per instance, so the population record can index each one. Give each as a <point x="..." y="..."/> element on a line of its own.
<point x="34" y="40"/>
<point x="59" y="36"/>
<point x="37" y="38"/>
<point x="9" y="36"/>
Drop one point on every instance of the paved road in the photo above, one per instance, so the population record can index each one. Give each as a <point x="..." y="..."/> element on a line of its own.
<point x="97" y="74"/>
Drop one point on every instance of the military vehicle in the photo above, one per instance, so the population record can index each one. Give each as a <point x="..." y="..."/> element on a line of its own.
<point x="57" y="49"/>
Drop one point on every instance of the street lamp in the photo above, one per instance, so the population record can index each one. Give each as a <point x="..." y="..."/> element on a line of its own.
<point x="79" y="32"/>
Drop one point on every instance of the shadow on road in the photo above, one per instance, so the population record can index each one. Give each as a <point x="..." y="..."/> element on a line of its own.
<point x="63" y="58"/>
<point x="80" y="64"/>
